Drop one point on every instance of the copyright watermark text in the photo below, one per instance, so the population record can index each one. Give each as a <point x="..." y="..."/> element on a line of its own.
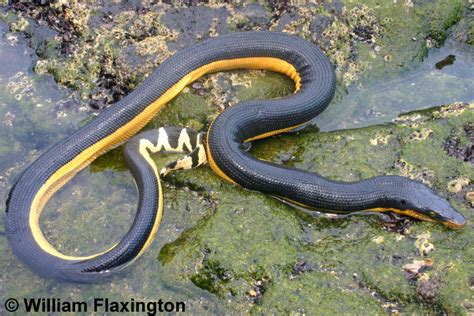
<point x="98" y="305"/>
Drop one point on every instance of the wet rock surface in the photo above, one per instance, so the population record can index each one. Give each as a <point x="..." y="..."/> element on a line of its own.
<point x="220" y="248"/>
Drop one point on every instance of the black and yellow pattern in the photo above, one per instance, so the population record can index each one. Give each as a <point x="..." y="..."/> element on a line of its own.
<point x="314" y="80"/>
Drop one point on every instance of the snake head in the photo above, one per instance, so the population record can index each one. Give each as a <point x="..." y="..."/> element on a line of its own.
<point x="423" y="203"/>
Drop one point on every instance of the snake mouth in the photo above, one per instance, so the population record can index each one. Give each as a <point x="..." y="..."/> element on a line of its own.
<point x="456" y="221"/>
<point x="454" y="225"/>
<point x="450" y="218"/>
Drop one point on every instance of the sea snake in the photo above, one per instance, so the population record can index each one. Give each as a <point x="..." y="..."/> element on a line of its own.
<point x="314" y="78"/>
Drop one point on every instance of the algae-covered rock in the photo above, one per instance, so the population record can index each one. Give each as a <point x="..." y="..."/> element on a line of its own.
<point x="356" y="256"/>
<point x="105" y="51"/>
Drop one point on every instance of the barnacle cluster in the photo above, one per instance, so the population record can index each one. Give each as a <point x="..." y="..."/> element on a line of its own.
<point x="420" y="134"/>
<point x="99" y="58"/>
<point x="78" y="14"/>
<point x="235" y="19"/>
<point x="423" y="243"/>
<point x="453" y="109"/>
<point x="411" y="119"/>
<point x="470" y="197"/>
<point x="220" y="88"/>
<point x="339" y="34"/>
<point x="415" y="119"/>
<point x="406" y="169"/>
<point x="358" y="24"/>
<point x="379" y="140"/>
<point x="19" y="25"/>
<point x="300" y="25"/>
<point x="364" y="24"/>
<point x="458" y="184"/>
<point x="20" y="85"/>
<point x="223" y="87"/>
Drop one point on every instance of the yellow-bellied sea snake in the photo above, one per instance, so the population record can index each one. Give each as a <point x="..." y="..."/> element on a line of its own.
<point x="314" y="79"/>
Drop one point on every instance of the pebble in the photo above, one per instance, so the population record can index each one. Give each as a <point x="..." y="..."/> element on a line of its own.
<point x="252" y="293"/>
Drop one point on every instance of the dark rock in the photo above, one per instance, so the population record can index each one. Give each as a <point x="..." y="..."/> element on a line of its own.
<point x="43" y="40"/>
<point x="194" y="23"/>
<point x="428" y="290"/>
<point x="285" y="19"/>
<point x="455" y="149"/>
<point x="255" y="13"/>
<point x="319" y="24"/>
<point x="302" y="266"/>
<point x="334" y="7"/>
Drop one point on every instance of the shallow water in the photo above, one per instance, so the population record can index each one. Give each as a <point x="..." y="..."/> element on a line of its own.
<point x="425" y="85"/>
<point x="35" y="112"/>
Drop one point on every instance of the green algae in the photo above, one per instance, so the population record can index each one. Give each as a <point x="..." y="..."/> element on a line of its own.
<point x="319" y="288"/>
<point x="407" y="34"/>
<point x="186" y="110"/>
<point x="331" y="248"/>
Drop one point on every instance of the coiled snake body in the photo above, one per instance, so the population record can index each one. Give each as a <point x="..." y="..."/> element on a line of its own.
<point x="314" y="80"/>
